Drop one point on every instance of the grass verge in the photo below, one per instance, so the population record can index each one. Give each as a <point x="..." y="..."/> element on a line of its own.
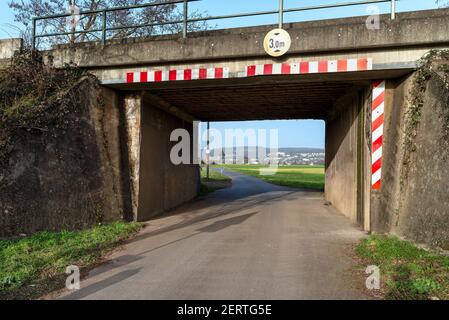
<point x="407" y="272"/>
<point x="308" y="177"/>
<point x="35" y="265"/>
<point x="213" y="175"/>
<point x="215" y="181"/>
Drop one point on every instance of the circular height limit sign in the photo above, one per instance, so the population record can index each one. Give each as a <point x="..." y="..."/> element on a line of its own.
<point x="277" y="42"/>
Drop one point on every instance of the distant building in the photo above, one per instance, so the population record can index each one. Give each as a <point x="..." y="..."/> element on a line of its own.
<point x="286" y="156"/>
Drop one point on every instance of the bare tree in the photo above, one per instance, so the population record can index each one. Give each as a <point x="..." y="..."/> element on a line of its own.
<point x="25" y="10"/>
<point x="443" y="3"/>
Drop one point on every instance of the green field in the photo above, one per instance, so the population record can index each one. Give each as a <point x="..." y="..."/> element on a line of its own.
<point x="309" y="177"/>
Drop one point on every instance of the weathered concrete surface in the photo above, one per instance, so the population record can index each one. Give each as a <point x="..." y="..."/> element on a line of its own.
<point x="132" y="109"/>
<point x="7" y="49"/>
<point x="420" y="28"/>
<point x="65" y="179"/>
<point x="251" y="241"/>
<point x="113" y="165"/>
<point x="395" y="44"/>
<point x="424" y="214"/>
<point x="416" y="207"/>
<point x="263" y="99"/>
<point x="385" y="202"/>
<point x="347" y="157"/>
<point x="163" y="185"/>
<point x="156" y="184"/>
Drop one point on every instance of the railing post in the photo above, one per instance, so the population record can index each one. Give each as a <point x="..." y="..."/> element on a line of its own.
<point x="186" y="14"/>
<point x="393" y="9"/>
<point x="103" y="30"/>
<point x="281" y="14"/>
<point x="33" y="40"/>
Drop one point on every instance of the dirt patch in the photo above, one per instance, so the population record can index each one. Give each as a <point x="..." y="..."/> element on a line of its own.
<point x="216" y="185"/>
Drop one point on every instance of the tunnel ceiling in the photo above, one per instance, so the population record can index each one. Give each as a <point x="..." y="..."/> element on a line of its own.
<point x="259" y="98"/>
<point x="256" y="102"/>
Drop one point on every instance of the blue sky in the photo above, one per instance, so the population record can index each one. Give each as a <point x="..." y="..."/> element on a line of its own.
<point x="292" y="133"/>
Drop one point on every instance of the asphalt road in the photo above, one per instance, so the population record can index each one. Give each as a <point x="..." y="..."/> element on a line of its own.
<point x="251" y="241"/>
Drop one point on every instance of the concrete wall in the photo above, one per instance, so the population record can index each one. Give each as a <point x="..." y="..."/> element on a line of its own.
<point x="67" y="179"/>
<point x="108" y="125"/>
<point x="411" y="29"/>
<point x="424" y="211"/>
<point x="111" y="164"/>
<point x="347" y="176"/>
<point x="385" y="202"/>
<point x="158" y="184"/>
<point x="9" y="46"/>
<point x="417" y="207"/>
<point x="132" y="114"/>
<point x="7" y="49"/>
<point x="397" y="44"/>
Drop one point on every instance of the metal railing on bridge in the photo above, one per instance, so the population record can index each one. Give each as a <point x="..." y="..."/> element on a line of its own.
<point x="184" y="22"/>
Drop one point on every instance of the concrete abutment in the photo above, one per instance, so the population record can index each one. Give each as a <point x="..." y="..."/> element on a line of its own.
<point x="156" y="184"/>
<point x="126" y="141"/>
<point x="347" y="176"/>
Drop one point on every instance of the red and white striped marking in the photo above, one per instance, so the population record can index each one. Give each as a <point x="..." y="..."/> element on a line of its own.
<point x="377" y="127"/>
<point x="304" y="67"/>
<point x="177" y="75"/>
<point x="309" y="67"/>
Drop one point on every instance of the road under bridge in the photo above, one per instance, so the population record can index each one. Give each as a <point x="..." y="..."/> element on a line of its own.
<point x="338" y="70"/>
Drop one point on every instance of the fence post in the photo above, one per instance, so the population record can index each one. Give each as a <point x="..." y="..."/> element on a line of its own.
<point x="393" y="9"/>
<point x="281" y="14"/>
<point x="103" y="30"/>
<point x="186" y="14"/>
<point x="33" y="40"/>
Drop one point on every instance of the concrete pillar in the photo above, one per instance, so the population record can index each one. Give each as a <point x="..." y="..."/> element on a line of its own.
<point x="163" y="185"/>
<point x="385" y="202"/>
<point x="156" y="184"/>
<point x="132" y="105"/>
<point x="347" y="173"/>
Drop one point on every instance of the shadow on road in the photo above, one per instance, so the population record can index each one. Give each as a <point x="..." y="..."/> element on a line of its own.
<point x="100" y="285"/>
<point x="222" y="224"/>
<point x="213" y="211"/>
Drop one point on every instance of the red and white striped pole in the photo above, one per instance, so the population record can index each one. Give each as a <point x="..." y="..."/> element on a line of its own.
<point x="377" y="127"/>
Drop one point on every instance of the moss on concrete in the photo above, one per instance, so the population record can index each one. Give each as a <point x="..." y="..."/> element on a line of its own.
<point x="434" y="65"/>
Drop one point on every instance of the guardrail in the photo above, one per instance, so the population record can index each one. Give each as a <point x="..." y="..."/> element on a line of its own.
<point x="185" y="21"/>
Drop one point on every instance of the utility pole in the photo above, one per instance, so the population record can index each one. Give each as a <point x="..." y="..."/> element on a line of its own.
<point x="207" y="150"/>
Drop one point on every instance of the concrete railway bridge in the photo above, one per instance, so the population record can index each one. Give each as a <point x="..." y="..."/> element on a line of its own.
<point x="337" y="70"/>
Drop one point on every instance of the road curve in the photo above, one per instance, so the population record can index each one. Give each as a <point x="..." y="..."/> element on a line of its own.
<point x="253" y="240"/>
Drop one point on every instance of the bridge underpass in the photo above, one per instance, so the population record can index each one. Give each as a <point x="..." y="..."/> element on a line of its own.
<point x="146" y="81"/>
<point x="253" y="239"/>
<point x="342" y="100"/>
<point x="250" y="244"/>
